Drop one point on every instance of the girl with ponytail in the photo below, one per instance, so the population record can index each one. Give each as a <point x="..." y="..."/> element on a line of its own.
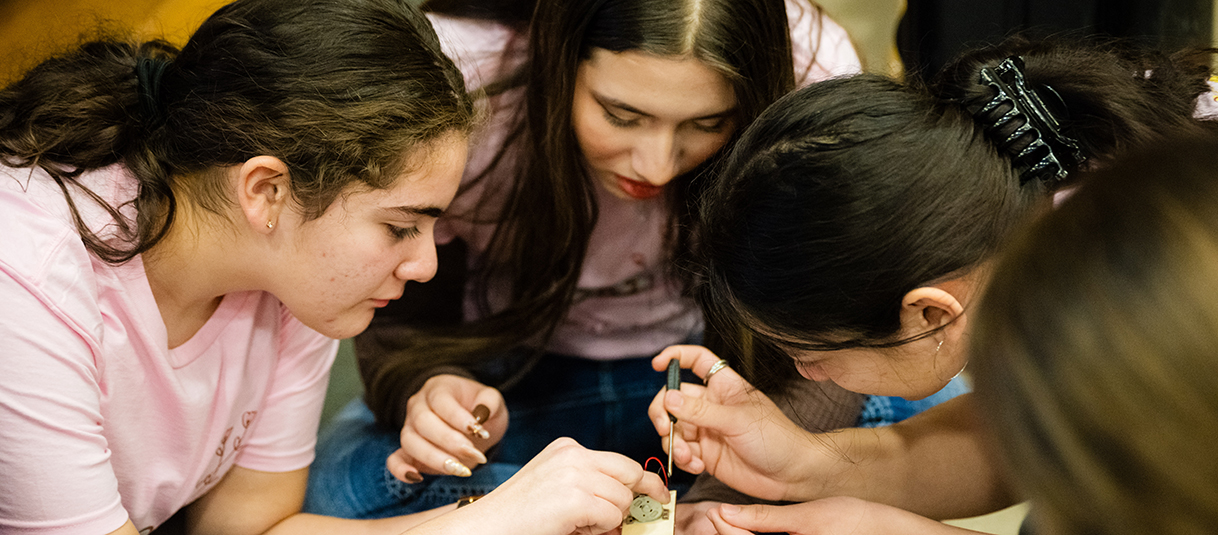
<point x="187" y="231"/>
<point x="847" y="238"/>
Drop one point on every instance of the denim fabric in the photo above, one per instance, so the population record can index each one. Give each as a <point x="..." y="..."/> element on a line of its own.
<point x="879" y="411"/>
<point x="349" y="479"/>
<point x="601" y="404"/>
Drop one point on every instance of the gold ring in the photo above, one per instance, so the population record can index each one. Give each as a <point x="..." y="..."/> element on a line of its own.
<point x="718" y="365"/>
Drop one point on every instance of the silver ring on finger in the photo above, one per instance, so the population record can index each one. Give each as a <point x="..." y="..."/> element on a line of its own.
<point x="718" y="365"/>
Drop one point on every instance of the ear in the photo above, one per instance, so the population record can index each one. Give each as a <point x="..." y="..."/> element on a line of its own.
<point x="927" y="308"/>
<point x="262" y="184"/>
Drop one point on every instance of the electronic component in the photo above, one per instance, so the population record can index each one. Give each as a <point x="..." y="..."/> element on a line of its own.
<point x="663" y="517"/>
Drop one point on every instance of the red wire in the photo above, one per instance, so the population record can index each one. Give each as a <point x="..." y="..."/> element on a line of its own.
<point x="663" y="473"/>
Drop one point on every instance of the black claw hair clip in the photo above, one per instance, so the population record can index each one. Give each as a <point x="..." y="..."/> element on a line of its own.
<point x="1047" y="151"/>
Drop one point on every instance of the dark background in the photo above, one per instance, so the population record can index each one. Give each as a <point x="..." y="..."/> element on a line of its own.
<point x="934" y="31"/>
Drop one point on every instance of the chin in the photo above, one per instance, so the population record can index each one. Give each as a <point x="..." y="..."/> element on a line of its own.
<point x="342" y="327"/>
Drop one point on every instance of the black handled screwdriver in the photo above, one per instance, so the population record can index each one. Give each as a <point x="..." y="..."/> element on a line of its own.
<point x="674" y="383"/>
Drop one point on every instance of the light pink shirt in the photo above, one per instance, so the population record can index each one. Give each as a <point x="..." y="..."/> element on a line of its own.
<point x="626" y="304"/>
<point x="99" y="420"/>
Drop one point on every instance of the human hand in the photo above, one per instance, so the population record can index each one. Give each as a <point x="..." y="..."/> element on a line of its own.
<point x="436" y="437"/>
<point x="733" y="431"/>
<point x="828" y="516"/>
<point x="692" y="520"/>
<point x="568" y="489"/>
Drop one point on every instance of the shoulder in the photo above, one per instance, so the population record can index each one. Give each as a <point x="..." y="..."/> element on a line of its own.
<point x="44" y="253"/>
<point x="484" y="51"/>
<point x="34" y="219"/>
<point x="820" y="47"/>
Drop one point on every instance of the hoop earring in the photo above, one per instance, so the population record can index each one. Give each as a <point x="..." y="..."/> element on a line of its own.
<point x="940" y="346"/>
<point x="961" y="370"/>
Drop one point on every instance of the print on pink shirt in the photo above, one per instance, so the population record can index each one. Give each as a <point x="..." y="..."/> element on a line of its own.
<point x="223" y="455"/>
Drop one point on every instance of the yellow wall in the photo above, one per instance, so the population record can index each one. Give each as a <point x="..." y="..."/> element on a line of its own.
<point x="33" y="29"/>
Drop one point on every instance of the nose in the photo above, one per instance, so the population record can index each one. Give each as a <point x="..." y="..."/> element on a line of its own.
<point x="420" y="265"/>
<point x="656" y="158"/>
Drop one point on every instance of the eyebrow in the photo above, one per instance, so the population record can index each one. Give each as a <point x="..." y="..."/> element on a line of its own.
<point x="615" y="103"/>
<point x="428" y="211"/>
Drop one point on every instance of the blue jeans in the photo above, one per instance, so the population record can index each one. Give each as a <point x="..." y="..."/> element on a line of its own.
<point x="348" y="479"/>
<point x="601" y="404"/>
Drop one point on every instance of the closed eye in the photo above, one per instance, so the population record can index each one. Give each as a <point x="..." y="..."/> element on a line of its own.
<point x="712" y="126"/>
<point x="617" y="121"/>
<point x="403" y="233"/>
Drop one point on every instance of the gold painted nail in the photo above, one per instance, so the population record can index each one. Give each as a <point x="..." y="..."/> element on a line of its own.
<point x="478" y="431"/>
<point x="455" y="468"/>
<point x="481" y="413"/>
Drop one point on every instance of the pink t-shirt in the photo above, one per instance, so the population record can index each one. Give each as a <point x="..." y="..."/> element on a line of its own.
<point x="626" y="304"/>
<point x="99" y="420"/>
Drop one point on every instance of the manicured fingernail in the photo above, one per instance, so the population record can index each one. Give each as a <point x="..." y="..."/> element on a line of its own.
<point x="674" y="399"/>
<point x="477" y="455"/>
<point x="413" y="477"/>
<point x="481" y="413"/>
<point x="475" y="429"/>
<point x="454" y="467"/>
<point x="728" y="509"/>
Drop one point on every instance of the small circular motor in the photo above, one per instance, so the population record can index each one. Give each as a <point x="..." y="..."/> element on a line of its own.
<point x="645" y="509"/>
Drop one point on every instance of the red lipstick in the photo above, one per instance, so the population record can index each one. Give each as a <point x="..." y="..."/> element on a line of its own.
<point x="638" y="190"/>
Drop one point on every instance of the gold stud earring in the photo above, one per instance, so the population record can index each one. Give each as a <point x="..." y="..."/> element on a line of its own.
<point x="270" y="225"/>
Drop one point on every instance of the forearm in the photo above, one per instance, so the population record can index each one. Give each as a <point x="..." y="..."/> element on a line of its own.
<point x="707" y="488"/>
<point x="934" y="464"/>
<point x="253" y="502"/>
<point x="304" y="524"/>
<point x="880" y="519"/>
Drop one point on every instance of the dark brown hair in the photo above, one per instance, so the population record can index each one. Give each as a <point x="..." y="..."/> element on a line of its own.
<point x="338" y="90"/>
<point x="542" y="232"/>
<point x="848" y="194"/>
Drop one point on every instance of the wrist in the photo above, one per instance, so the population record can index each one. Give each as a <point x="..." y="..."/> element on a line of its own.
<point x="820" y="471"/>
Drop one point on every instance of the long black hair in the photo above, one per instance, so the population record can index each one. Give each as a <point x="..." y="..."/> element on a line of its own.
<point x="848" y="194"/>
<point x="542" y="231"/>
